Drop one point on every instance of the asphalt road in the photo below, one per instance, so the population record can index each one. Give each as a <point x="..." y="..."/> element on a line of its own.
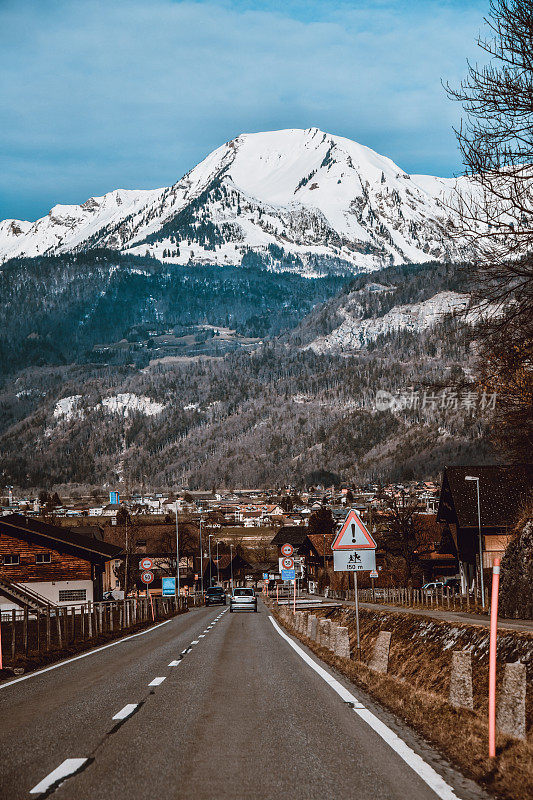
<point x="241" y="714"/>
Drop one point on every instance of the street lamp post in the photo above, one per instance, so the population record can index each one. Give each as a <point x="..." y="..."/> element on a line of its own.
<point x="201" y="559"/>
<point x="218" y="570"/>
<point x="476" y="479"/>
<point x="210" y="578"/>
<point x="177" y="553"/>
<point x="231" y="565"/>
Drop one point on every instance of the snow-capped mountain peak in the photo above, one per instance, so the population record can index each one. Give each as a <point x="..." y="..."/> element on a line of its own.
<point x="293" y="199"/>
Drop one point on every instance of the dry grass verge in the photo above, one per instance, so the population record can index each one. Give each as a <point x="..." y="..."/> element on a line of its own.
<point x="416" y="690"/>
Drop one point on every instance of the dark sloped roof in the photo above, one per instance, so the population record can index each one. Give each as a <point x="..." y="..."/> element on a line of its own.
<point x="14" y="524"/>
<point x="503" y="491"/>
<point x="265" y="566"/>
<point x="291" y="534"/>
<point x="321" y="546"/>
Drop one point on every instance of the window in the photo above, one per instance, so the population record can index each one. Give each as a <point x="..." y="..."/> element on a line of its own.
<point x="72" y="594"/>
<point x="141" y="542"/>
<point x="43" y="558"/>
<point x="11" y="560"/>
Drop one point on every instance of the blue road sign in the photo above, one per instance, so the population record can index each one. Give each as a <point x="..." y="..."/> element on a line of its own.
<point x="288" y="575"/>
<point x="168" y="586"/>
<point x="265" y="576"/>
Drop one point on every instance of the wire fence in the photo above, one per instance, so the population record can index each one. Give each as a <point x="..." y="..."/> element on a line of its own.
<point x="441" y="598"/>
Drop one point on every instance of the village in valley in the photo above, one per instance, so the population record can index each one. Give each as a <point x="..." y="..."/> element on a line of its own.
<point x="426" y="534"/>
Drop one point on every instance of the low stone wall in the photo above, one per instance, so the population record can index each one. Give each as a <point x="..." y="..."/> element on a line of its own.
<point x="445" y="658"/>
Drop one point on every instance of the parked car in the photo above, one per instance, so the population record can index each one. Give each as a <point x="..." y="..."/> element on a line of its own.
<point x="243" y="599"/>
<point x="215" y="595"/>
<point x="113" y="594"/>
<point x="434" y="585"/>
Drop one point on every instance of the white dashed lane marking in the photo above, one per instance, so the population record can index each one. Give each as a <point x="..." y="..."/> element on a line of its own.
<point x="59" y="774"/>
<point x="71" y="766"/>
<point x="126" y="711"/>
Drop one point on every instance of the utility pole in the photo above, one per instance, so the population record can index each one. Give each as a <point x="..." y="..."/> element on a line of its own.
<point x="177" y="552"/>
<point x="231" y="565"/>
<point x="126" y="564"/>
<point x="218" y="570"/>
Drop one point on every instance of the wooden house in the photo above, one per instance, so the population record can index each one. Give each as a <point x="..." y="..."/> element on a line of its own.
<point x="504" y="492"/>
<point x="57" y="564"/>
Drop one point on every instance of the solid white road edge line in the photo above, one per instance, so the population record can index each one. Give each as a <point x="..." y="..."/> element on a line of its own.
<point x="157" y="681"/>
<point x="126" y="711"/>
<point x="82" y="655"/>
<point x="68" y="767"/>
<point x="432" y="778"/>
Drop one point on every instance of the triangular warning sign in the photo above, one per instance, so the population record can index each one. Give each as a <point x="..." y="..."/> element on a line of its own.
<point x="353" y="535"/>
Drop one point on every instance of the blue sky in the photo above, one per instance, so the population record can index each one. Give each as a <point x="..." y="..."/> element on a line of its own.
<point x="104" y="94"/>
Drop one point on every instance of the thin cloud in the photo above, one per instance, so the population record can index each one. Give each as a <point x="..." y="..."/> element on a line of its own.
<point x="100" y="95"/>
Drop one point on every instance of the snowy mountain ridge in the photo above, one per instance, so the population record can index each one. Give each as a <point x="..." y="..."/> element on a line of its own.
<point x="302" y="200"/>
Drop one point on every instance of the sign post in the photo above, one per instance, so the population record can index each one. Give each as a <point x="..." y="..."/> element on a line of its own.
<point x="147" y="578"/>
<point x="356" y="615"/>
<point x="354" y="550"/>
<point x="373" y="575"/>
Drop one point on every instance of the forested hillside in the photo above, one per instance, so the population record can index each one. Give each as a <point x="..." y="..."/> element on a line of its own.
<point x="57" y="308"/>
<point x="272" y="414"/>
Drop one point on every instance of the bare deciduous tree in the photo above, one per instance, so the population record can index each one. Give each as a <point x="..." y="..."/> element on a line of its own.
<point x="496" y="142"/>
<point x="496" y="212"/>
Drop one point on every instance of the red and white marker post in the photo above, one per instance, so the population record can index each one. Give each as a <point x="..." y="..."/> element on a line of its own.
<point x="492" y="656"/>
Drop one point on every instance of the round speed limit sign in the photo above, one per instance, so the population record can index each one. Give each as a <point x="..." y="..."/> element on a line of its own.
<point x="147" y="577"/>
<point x="287" y="549"/>
<point x="288" y="563"/>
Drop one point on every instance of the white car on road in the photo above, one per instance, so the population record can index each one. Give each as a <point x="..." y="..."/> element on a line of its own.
<point x="243" y="599"/>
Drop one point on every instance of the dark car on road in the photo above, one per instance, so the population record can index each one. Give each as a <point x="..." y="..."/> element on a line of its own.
<point x="215" y="595"/>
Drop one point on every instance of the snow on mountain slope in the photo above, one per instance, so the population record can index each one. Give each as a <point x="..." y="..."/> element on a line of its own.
<point x="69" y="408"/>
<point x="298" y="199"/>
<point x="354" y="333"/>
<point x="67" y="228"/>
